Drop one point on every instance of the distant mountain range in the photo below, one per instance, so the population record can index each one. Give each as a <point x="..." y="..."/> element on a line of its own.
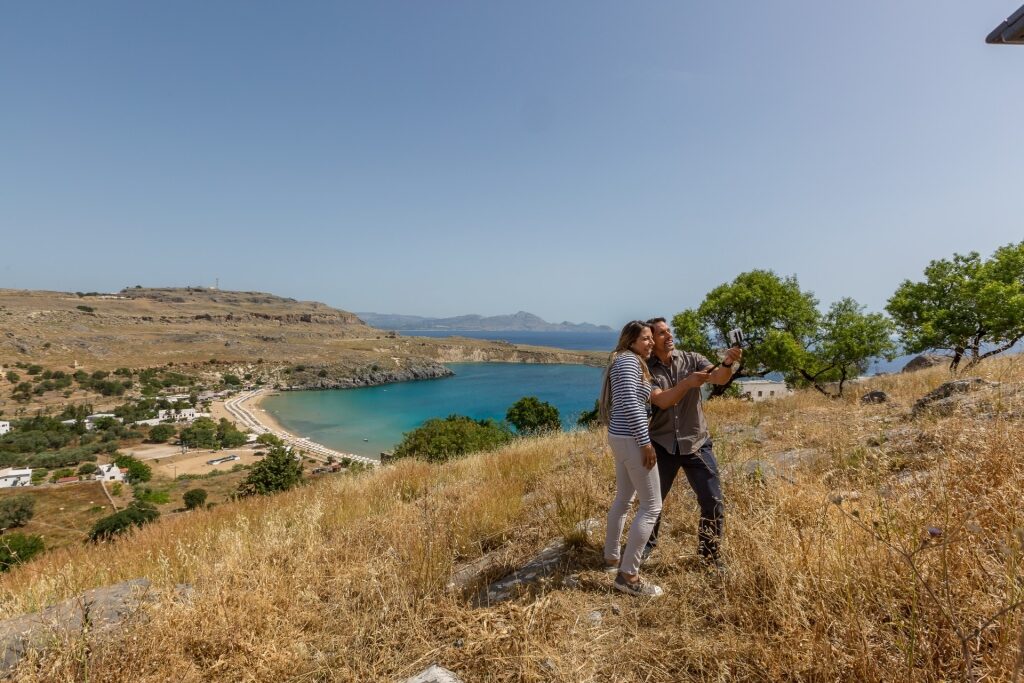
<point x="521" y="321"/>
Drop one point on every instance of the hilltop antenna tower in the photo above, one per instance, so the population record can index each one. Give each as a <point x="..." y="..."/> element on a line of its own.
<point x="216" y="282"/>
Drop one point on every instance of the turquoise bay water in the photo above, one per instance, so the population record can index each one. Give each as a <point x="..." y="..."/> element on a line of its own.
<point x="342" y="418"/>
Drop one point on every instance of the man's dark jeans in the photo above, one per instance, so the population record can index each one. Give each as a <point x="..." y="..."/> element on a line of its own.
<point x="702" y="472"/>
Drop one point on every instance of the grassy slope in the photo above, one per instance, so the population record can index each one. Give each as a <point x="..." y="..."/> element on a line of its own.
<point x="344" y="579"/>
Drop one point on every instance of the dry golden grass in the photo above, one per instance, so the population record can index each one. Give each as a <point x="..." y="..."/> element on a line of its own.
<point x="345" y="579"/>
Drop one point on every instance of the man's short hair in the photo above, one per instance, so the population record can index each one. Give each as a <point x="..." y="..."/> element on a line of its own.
<point x="655" y="321"/>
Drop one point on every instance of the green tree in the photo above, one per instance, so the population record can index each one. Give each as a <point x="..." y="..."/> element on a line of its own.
<point x="18" y="548"/>
<point x="531" y="415"/>
<point x="437" y="440"/>
<point x="228" y="436"/>
<point x="136" y="514"/>
<point x="965" y="305"/>
<point x="279" y="471"/>
<point x="776" y="317"/>
<point x="16" y="510"/>
<point x="137" y="471"/>
<point x="268" y="439"/>
<point x="161" y="433"/>
<point x="202" y="433"/>
<point x="13" y="377"/>
<point x="194" y="498"/>
<point x="231" y="380"/>
<point x="87" y="468"/>
<point x="846" y="341"/>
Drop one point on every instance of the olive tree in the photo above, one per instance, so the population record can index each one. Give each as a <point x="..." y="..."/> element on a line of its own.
<point x="966" y="305"/>
<point x="776" y="316"/>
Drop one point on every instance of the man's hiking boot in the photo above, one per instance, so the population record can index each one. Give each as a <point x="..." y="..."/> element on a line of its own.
<point x="646" y="552"/>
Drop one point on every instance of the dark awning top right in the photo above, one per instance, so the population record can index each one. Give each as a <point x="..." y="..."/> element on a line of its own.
<point x="1010" y="31"/>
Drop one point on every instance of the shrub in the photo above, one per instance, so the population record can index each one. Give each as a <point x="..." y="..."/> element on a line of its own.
<point x="589" y="418"/>
<point x="18" y="548"/>
<point x="16" y="510"/>
<point x="194" y="498"/>
<point x="85" y="309"/>
<point x="438" y="440"/>
<point x="61" y="473"/>
<point x="135" y="515"/>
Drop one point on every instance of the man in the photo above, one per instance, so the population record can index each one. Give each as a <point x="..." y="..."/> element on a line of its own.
<point x="680" y="434"/>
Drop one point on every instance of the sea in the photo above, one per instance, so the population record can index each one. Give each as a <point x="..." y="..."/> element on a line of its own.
<point x="370" y="420"/>
<point x="574" y="341"/>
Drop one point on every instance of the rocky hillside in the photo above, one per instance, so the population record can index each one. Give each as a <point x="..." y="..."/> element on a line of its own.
<point x="147" y="327"/>
<point x="866" y="540"/>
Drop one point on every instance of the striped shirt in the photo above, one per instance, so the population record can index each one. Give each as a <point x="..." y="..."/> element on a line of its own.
<point x="630" y="393"/>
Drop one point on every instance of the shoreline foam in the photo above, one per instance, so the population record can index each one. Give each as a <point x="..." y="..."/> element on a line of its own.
<point x="245" y="408"/>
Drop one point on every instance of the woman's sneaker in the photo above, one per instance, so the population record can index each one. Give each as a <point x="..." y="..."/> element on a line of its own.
<point x="639" y="588"/>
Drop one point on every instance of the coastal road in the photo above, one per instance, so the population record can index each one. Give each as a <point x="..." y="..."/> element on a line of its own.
<point x="237" y="408"/>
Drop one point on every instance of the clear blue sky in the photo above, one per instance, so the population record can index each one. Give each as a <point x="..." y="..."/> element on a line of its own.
<point x="592" y="161"/>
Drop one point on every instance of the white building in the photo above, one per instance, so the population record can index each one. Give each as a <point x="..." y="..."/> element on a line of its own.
<point x="4" y="427"/>
<point x="11" y="477"/>
<point x="109" y="472"/>
<point x="71" y="423"/>
<point x="763" y="389"/>
<point x="99" y="416"/>
<point x="178" y="414"/>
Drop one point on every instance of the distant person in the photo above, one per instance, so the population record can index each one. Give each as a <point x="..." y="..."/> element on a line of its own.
<point x="680" y="433"/>
<point x="623" y="407"/>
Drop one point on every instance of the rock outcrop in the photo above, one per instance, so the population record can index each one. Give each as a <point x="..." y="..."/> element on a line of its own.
<point x="95" y="611"/>
<point x="925" y="360"/>
<point x="947" y="398"/>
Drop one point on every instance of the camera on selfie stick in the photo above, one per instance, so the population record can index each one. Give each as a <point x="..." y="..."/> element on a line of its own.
<point x="736" y="340"/>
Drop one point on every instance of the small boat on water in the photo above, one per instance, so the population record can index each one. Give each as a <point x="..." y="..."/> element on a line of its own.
<point x="365" y="439"/>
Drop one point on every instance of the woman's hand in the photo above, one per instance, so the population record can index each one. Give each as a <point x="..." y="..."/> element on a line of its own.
<point x="650" y="457"/>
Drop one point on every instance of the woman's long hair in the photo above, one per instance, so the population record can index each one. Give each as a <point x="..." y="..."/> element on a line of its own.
<point x="630" y="333"/>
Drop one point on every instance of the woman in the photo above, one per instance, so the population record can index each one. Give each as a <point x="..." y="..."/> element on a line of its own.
<point x="627" y="389"/>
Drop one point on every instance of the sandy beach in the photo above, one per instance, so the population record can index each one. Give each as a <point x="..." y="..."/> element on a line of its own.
<point x="246" y="412"/>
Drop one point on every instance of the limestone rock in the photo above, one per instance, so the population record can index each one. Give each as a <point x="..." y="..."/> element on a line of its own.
<point x="945" y="399"/>
<point x="534" y="573"/>
<point x="925" y="360"/>
<point x="798" y="457"/>
<point x="97" y="610"/>
<point x="434" y="674"/>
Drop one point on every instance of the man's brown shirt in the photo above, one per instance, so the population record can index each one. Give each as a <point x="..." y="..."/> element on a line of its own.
<point x="681" y="428"/>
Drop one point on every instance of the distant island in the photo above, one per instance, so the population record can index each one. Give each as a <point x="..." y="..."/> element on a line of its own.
<point x="517" y="322"/>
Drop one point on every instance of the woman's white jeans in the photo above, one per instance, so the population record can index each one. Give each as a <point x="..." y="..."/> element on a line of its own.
<point x="631" y="477"/>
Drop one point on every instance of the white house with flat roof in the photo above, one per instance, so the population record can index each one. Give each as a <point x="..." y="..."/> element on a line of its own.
<point x="763" y="389"/>
<point x="109" y="472"/>
<point x="13" y="476"/>
<point x="4" y="427"/>
<point x="178" y="414"/>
